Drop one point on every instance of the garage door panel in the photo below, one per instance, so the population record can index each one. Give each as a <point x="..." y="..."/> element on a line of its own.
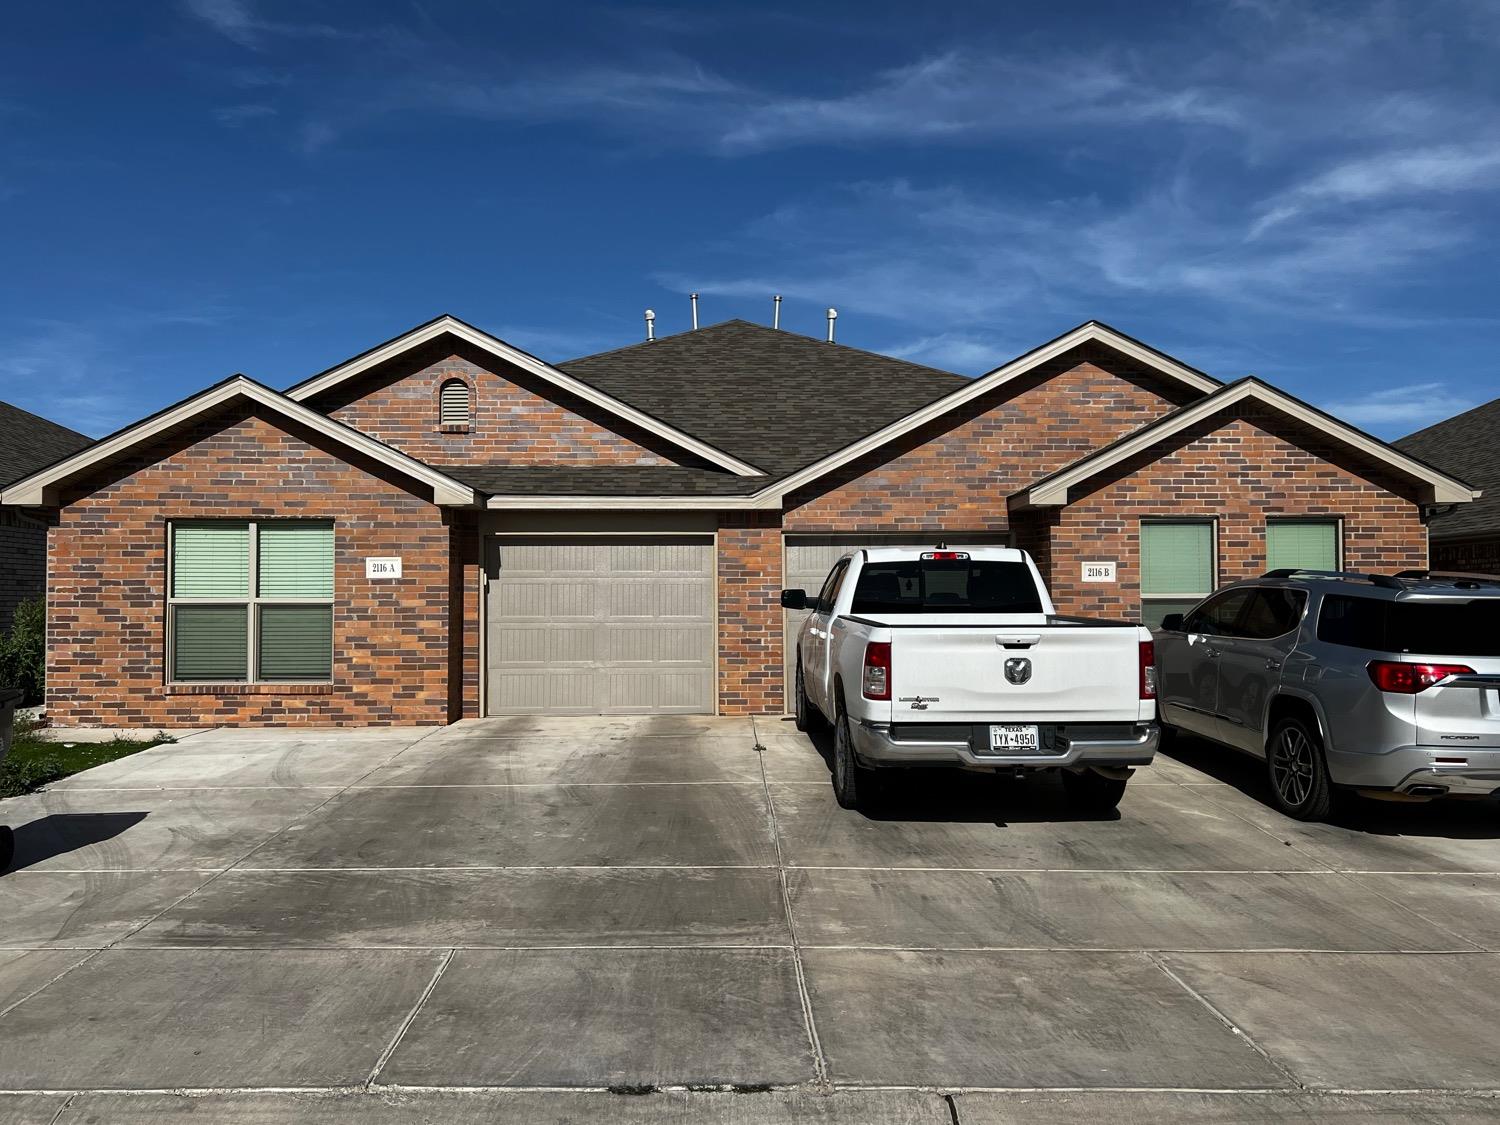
<point x="553" y="644"/>
<point x="522" y="599"/>
<point x="601" y="626"/>
<point x="660" y="598"/>
<point x="657" y="645"/>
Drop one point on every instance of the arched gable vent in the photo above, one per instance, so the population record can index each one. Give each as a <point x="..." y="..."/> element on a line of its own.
<point x="453" y="403"/>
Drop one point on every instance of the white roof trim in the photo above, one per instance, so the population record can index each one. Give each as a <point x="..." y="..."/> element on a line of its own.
<point x="760" y="501"/>
<point x="40" y="489"/>
<point x="498" y="347"/>
<point x="1092" y="332"/>
<point x="1053" y="493"/>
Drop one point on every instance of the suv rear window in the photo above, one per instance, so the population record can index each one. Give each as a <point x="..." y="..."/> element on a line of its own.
<point x="946" y="586"/>
<point x="1429" y="628"/>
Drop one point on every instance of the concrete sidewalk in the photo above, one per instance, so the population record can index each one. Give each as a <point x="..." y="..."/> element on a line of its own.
<point x="669" y="919"/>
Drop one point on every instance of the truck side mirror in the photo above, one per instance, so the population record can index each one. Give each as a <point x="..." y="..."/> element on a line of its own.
<point x="1172" y="623"/>
<point x="794" y="599"/>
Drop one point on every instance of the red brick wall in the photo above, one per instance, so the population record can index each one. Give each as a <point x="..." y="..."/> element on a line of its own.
<point x="1474" y="556"/>
<point x="515" y="417"/>
<point x="955" y="473"/>
<point x="750" y="614"/>
<point x="1239" y="468"/>
<point x="108" y="562"/>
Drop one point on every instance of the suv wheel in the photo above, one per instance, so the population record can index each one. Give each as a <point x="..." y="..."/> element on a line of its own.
<point x="808" y="717"/>
<point x="854" y="785"/>
<point x="1298" y="772"/>
<point x="1091" y="792"/>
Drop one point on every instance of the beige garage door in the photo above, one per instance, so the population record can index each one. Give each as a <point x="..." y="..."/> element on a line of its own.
<point x="809" y="558"/>
<point x="601" y="626"/>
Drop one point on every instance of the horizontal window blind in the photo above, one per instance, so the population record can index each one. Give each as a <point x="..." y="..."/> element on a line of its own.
<point x="1177" y="558"/>
<point x="1302" y="545"/>
<point x="211" y="560"/>
<point x="296" y="560"/>
<point x="210" y="642"/>
<point x="454" y="403"/>
<point x="296" y="642"/>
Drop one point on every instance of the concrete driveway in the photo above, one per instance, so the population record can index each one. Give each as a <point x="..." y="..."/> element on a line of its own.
<point x="670" y="920"/>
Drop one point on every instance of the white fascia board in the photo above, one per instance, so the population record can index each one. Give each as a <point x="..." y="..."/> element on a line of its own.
<point x="1083" y="334"/>
<point x="1443" y="489"/>
<point x="39" y="489"/>
<point x="545" y="371"/>
<point x="759" y="501"/>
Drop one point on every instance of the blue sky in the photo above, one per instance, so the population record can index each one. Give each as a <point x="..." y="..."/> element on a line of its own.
<point x="1307" y="192"/>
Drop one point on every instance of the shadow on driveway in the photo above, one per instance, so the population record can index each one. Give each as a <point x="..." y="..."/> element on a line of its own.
<point x="59" y="833"/>
<point x="1450" y="819"/>
<point x="957" y="796"/>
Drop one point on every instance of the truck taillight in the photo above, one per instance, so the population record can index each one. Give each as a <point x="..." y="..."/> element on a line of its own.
<point x="1409" y="679"/>
<point x="1148" y="670"/>
<point x="877" y="683"/>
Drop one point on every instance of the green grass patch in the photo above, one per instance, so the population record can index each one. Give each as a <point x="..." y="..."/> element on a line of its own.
<point x="35" y="761"/>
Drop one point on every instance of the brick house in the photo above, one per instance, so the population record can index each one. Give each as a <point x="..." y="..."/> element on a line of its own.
<point x="1465" y="537"/>
<point x="446" y="526"/>
<point x="27" y="443"/>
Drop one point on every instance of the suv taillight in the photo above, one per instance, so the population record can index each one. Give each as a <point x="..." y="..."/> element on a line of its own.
<point x="1408" y="679"/>
<point x="877" y="682"/>
<point x="1148" y="669"/>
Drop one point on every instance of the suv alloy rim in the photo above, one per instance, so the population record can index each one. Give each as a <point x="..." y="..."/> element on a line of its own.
<point x="1292" y="765"/>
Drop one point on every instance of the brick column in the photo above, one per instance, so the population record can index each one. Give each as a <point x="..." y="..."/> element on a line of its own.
<point x="750" y="614"/>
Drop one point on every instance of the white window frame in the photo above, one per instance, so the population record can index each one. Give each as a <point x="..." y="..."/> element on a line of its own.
<point x="252" y="605"/>
<point x="1338" y="535"/>
<point x="1140" y="559"/>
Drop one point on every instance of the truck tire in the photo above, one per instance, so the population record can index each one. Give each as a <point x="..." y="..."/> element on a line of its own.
<point x="854" y="786"/>
<point x="808" y="717"/>
<point x="1092" y="792"/>
<point x="1298" y="772"/>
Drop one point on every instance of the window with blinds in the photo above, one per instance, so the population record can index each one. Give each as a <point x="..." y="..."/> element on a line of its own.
<point x="1178" y="566"/>
<point x="453" y="403"/>
<point x="1302" y="545"/>
<point x="251" y="601"/>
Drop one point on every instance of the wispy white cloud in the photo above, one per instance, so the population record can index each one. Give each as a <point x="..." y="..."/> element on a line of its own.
<point x="1403" y="410"/>
<point x="1425" y="171"/>
<point x="964" y="93"/>
<point x="240" y="23"/>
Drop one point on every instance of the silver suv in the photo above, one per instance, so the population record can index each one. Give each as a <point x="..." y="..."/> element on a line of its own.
<point x="1388" y="684"/>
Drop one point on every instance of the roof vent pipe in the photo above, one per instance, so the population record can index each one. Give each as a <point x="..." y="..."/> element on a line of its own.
<point x="650" y="325"/>
<point x="776" y="311"/>
<point x="694" y="299"/>
<point x="833" y="314"/>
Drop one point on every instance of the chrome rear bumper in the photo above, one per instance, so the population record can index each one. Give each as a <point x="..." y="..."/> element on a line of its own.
<point x="877" y="745"/>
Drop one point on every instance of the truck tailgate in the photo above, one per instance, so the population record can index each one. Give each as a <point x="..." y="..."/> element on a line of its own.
<point x="1066" y="673"/>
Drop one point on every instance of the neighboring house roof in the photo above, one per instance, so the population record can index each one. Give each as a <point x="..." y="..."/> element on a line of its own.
<point x="452" y="326"/>
<point x="28" y="442"/>
<point x="1467" y="445"/>
<point x="774" y="398"/>
<point x="1053" y="490"/>
<point x="41" y="487"/>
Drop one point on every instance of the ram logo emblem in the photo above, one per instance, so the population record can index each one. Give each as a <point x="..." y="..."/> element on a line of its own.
<point x="1018" y="669"/>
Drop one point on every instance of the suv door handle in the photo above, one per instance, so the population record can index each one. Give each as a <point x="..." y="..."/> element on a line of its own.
<point x="1272" y="665"/>
<point x="1211" y="652"/>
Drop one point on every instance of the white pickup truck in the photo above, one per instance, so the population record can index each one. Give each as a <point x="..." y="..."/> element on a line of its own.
<point x="949" y="657"/>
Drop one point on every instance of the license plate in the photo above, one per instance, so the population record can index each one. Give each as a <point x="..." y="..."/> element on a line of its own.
<point x="1013" y="737"/>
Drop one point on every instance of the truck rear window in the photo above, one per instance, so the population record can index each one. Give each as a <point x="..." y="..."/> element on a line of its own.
<point x="946" y="586"/>
<point x="1426" y="628"/>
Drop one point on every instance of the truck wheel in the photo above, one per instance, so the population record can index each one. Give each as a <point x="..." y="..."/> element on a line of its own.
<point x="1298" y="772"/>
<point x="808" y="717"/>
<point x="854" y="785"/>
<point x="1092" y="792"/>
